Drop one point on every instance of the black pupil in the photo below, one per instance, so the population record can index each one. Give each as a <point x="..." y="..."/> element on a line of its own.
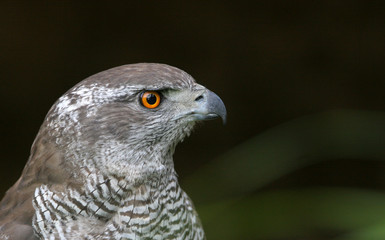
<point x="151" y="99"/>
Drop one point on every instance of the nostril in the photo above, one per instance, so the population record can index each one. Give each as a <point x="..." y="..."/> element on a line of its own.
<point x="199" y="98"/>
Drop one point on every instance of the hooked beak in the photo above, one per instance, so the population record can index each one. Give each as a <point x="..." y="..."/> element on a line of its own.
<point x="209" y="106"/>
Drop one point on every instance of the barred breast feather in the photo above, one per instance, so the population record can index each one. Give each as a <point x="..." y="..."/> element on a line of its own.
<point x="112" y="208"/>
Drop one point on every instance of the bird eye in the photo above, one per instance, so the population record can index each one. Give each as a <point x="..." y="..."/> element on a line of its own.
<point x="150" y="99"/>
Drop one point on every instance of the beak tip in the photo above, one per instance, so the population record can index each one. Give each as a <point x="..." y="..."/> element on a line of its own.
<point x="217" y="106"/>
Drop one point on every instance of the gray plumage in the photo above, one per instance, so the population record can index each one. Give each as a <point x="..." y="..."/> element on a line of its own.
<point x="101" y="165"/>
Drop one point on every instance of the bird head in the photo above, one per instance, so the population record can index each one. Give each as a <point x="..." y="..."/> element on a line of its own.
<point x="130" y="116"/>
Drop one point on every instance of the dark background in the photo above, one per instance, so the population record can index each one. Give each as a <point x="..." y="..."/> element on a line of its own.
<point x="270" y="62"/>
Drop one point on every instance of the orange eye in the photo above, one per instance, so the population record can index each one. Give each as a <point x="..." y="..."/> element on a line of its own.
<point x="150" y="99"/>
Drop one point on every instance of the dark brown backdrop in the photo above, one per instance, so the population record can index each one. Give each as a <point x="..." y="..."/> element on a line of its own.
<point x="270" y="61"/>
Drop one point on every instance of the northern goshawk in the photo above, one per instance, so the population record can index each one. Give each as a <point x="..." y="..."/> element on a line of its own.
<point x="101" y="166"/>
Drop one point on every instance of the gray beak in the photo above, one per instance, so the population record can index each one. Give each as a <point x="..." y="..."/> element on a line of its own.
<point x="210" y="107"/>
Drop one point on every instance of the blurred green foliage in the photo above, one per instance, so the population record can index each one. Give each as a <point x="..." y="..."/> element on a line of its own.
<point x="231" y="207"/>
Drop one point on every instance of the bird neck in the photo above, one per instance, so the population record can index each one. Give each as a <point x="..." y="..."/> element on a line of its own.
<point x="139" y="165"/>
